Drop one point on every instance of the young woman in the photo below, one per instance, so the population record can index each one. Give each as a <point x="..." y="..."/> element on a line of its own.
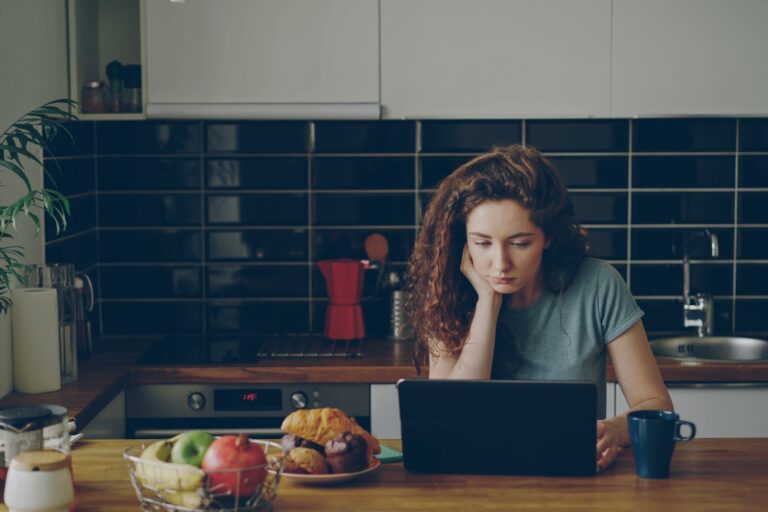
<point x="502" y="288"/>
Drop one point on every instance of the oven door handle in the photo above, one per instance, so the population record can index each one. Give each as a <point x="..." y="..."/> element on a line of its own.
<point x="160" y="432"/>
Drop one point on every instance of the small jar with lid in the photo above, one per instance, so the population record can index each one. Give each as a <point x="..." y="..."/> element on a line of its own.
<point x="93" y="97"/>
<point x="39" y="481"/>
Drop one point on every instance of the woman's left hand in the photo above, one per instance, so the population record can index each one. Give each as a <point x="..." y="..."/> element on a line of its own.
<point x="608" y="443"/>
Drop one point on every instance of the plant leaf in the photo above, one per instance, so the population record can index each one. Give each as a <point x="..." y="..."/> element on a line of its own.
<point x="18" y="171"/>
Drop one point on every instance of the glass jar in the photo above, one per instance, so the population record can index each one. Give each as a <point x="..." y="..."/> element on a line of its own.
<point x="29" y="428"/>
<point x="93" y="97"/>
<point x="131" y="88"/>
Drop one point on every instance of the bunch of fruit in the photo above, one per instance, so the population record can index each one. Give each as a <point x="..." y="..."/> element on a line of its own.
<point x="183" y="469"/>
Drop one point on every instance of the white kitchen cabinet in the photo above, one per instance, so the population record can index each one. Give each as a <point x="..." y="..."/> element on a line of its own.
<point x="689" y="57"/>
<point x="385" y="411"/>
<point x="263" y="58"/>
<point x="718" y="410"/>
<point x="110" y="422"/>
<point x="495" y="58"/>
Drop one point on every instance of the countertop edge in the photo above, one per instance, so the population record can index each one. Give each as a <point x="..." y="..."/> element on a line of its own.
<point x="112" y="369"/>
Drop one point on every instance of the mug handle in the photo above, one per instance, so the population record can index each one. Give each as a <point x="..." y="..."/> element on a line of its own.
<point x="680" y="424"/>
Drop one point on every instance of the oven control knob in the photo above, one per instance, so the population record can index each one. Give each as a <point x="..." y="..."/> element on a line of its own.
<point x="299" y="400"/>
<point x="196" y="401"/>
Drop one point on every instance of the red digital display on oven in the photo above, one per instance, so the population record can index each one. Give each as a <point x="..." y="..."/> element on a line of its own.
<point x="247" y="400"/>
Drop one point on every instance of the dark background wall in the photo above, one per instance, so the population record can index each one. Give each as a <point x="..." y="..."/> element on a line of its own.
<point x="209" y="227"/>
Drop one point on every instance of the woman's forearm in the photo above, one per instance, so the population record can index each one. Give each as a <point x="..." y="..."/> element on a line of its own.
<point x="659" y="404"/>
<point x="476" y="357"/>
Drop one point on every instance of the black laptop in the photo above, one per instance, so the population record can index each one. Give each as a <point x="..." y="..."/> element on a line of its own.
<point x="498" y="426"/>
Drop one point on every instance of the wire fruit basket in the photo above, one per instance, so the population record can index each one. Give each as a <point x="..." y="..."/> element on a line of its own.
<point x="164" y="486"/>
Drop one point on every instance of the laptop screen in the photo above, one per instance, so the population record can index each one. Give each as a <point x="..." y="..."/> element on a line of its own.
<point x="498" y="427"/>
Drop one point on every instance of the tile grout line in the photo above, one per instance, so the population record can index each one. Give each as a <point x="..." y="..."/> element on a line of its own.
<point x="735" y="226"/>
<point x="630" y="147"/>
<point x="98" y="291"/>
<point x="310" y="228"/>
<point x="417" y="209"/>
<point x="203" y="238"/>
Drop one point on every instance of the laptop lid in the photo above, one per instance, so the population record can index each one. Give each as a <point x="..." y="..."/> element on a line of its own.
<point x="498" y="426"/>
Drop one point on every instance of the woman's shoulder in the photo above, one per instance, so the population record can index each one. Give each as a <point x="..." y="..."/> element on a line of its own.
<point x="592" y="272"/>
<point x="593" y="267"/>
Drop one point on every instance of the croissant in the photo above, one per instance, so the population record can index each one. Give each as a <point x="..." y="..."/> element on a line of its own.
<point x="322" y="425"/>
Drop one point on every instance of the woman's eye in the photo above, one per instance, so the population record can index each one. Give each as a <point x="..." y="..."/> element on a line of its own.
<point x="482" y="244"/>
<point x="520" y="245"/>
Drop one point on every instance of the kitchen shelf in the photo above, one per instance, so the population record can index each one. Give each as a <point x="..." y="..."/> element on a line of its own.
<point x="127" y="116"/>
<point x="101" y="31"/>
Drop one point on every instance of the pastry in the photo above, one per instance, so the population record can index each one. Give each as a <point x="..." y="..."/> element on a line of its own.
<point x="322" y="425"/>
<point x="290" y="441"/>
<point x="305" y="460"/>
<point x="347" y="453"/>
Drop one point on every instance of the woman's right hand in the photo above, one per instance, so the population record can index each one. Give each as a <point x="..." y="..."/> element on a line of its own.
<point x="479" y="283"/>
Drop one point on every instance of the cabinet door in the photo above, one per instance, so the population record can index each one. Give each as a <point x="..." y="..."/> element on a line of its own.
<point x="263" y="51"/>
<point x="385" y="411"/>
<point x="679" y="57"/>
<point x="495" y="58"/>
<point x="110" y="422"/>
<point x="719" y="410"/>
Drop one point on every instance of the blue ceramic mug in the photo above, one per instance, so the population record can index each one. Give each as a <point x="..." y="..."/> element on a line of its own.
<point x="653" y="435"/>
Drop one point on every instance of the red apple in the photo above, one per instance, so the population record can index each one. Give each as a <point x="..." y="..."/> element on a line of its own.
<point x="230" y="453"/>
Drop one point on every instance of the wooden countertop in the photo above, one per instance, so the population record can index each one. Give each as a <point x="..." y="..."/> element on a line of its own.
<point x="112" y="367"/>
<point x="100" y="379"/>
<point x="386" y="361"/>
<point x="707" y="475"/>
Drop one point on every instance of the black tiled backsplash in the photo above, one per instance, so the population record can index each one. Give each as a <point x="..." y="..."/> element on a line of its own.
<point x="365" y="137"/>
<point x="683" y="171"/>
<point x="662" y="135"/>
<point x="124" y="174"/>
<point x="149" y="137"/>
<point x="257" y="245"/>
<point x="468" y="136"/>
<point x="579" y="135"/>
<point x="204" y="227"/>
<point x="256" y="173"/>
<point x="682" y="208"/>
<point x="592" y="171"/>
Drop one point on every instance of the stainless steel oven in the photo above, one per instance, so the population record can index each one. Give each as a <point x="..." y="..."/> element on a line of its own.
<point x="161" y="410"/>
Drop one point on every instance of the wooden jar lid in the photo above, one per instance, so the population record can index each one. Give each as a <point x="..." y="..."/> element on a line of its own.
<point x="40" y="460"/>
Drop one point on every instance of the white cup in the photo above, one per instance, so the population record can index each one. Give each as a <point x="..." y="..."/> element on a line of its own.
<point x="39" y="481"/>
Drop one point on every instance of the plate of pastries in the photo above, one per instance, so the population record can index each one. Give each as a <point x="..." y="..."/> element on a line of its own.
<point x="325" y="446"/>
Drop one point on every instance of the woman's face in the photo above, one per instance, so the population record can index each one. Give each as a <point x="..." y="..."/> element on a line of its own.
<point x="506" y="248"/>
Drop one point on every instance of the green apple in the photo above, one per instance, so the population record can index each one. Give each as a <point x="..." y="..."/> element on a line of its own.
<point x="190" y="447"/>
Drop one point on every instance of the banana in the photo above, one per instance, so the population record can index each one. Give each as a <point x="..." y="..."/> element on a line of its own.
<point x="154" y="470"/>
<point x="158" y="451"/>
<point x="186" y="499"/>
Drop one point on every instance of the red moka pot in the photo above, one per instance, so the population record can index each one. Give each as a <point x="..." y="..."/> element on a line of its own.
<point x="344" y="279"/>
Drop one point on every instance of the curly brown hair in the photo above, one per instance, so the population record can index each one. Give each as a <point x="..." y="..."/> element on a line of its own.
<point x="442" y="301"/>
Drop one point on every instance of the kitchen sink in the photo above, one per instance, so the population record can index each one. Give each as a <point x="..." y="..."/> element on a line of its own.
<point x="713" y="348"/>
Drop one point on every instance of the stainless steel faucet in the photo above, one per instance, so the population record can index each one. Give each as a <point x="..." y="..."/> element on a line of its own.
<point x="698" y="310"/>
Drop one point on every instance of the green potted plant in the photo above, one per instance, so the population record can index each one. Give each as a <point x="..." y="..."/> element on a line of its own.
<point x="21" y="140"/>
<point x="19" y="146"/>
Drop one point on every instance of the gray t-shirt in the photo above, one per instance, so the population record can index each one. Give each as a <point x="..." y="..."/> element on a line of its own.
<point x="563" y="336"/>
